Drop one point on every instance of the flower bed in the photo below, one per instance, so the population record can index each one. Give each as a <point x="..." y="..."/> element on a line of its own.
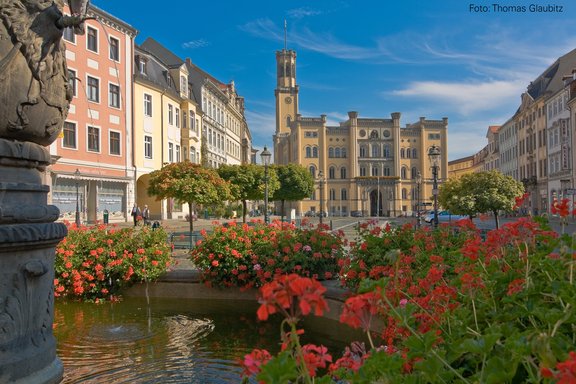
<point x="95" y="263"/>
<point x="248" y="256"/>
<point x="453" y="308"/>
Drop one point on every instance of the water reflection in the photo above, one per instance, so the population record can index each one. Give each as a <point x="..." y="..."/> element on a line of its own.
<point x="169" y="341"/>
<point x="164" y="341"/>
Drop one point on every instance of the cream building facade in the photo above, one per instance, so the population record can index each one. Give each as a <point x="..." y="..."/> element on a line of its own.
<point x="559" y="145"/>
<point x="369" y="166"/>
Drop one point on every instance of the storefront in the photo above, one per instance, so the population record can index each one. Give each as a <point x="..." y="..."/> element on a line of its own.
<point x="92" y="196"/>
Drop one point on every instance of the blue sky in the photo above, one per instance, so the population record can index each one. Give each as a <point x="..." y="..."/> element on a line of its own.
<point x="432" y="58"/>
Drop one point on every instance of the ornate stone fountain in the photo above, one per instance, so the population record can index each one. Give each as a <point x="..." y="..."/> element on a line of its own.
<point x="34" y="99"/>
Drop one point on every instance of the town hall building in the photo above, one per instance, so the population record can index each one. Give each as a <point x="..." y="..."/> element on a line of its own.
<point x="362" y="166"/>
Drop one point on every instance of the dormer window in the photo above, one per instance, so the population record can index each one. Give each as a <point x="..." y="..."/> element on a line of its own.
<point x="142" y="65"/>
<point x="183" y="85"/>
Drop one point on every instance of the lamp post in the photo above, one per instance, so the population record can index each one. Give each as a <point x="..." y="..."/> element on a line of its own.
<point x="418" y="187"/>
<point x="434" y="156"/>
<point x="77" y="177"/>
<point x="265" y="156"/>
<point x="378" y="197"/>
<point x="321" y="182"/>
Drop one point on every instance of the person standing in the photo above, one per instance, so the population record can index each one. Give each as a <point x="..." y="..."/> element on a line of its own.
<point x="146" y="215"/>
<point x="136" y="213"/>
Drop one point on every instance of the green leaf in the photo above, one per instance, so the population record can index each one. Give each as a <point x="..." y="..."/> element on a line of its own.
<point x="281" y="369"/>
<point x="497" y="370"/>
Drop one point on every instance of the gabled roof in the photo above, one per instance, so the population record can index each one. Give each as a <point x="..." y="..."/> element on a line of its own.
<point x="162" y="53"/>
<point x="551" y="80"/>
<point x="156" y="71"/>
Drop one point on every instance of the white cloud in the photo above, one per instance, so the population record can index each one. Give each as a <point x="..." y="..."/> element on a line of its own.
<point x="194" y="44"/>
<point x="261" y="124"/>
<point x="298" y="13"/>
<point x="464" y="97"/>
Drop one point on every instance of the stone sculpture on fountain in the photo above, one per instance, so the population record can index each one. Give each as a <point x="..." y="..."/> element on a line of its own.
<point x="34" y="99"/>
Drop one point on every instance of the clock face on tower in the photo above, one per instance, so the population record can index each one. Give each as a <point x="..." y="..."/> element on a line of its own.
<point x="288" y="100"/>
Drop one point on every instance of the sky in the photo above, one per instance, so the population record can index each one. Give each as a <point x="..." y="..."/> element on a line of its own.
<point x="468" y="61"/>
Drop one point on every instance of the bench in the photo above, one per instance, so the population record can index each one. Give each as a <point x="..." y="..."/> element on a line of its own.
<point x="184" y="240"/>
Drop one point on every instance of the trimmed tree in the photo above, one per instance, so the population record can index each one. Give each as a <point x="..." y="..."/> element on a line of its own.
<point x="247" y="183"/>
<point x="296" y="183"/>
<point x="480" y="192"/>
<point x="190" y="183"/>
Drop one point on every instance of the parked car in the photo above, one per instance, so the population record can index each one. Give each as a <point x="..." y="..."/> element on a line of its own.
<point x="310" y="214"/>
<point x="444" y="217"/>
<point x="356" y="214"/>
<point x="322" y="214"/>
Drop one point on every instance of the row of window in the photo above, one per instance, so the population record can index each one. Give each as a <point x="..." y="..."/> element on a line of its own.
<point x="337" y="152"/>
<point x="92" y="42"/>
<point x="375" y="171"/>
<point x="377" y="150"/>
<point x="70" y="139"/>
<point x="174" y="117"/>
<point x="93" y="89"/>
<point x="174" y="151"/>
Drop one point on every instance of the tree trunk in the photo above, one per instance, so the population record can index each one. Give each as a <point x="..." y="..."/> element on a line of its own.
<point x="496" y="219"/>
<point x="190" y="216"/>
<point x="244" y="207"/>
<point x="282" y="213"/>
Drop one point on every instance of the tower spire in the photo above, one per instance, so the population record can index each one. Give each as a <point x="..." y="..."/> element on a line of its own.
<point x="285" y="35"/>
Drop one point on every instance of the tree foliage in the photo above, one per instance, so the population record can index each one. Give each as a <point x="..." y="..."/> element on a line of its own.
<point x="247" y="182"/>
<point x="190" y="183"/>
<point x="480" y="192"/>
<point x="296" y="183"/>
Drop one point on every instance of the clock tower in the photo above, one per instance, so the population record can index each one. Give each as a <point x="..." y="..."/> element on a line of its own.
<point x="286" y="90"/>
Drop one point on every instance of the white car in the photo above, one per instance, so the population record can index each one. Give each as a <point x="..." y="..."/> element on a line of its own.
<point x="444" y="217"/>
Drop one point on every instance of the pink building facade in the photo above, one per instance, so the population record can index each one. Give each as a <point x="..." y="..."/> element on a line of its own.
<point x="93" y="159"/>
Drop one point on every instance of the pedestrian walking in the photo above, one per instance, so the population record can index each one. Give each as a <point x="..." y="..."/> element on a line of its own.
<point x="146" y="215"/>
<point x="136" y="213"/>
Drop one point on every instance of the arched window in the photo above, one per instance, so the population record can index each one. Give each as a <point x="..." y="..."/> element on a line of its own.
<point x="375" y="150"/>
<point x="386" y="150"/>
<point x="331" y="173"/>
<point x="362" y="171"/>
<point x="414" y="153"/>
<point x="403" y="173"/>
<point x="343" y="172"/>
<point x="314" y="151"/>
<point x="386" y="171"/>
<point x="343" y="194"/>
<point x="332" y="194"/>
<point x="312" y="171"/>
<point x="308" y="152"/>
<point x="363" y="151"/>
<point x="408" y="153"/>
<point x="337" y="152"/>
<point x="344" y="152"/>
<point x="404" y="193"/>
<point x="413" y="173"/>
<point x="375" y="171"/>
<point x="330" y="152"/>
<point x="402" y="153"/>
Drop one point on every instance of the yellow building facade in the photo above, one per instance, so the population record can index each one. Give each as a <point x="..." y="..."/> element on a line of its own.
<point x="363" y="166"/>
<point x="166" y="127"/>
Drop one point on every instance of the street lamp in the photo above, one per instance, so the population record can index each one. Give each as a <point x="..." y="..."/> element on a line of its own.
<point x="265" y="156"/>
<point x="418" y="187"/>
<point x="321" y="182"/>
<point x="434" y="156"/>
<point x="77" y="177"/>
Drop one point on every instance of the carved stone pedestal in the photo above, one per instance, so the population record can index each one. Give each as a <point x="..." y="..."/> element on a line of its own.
<point x="28" y="237"/>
